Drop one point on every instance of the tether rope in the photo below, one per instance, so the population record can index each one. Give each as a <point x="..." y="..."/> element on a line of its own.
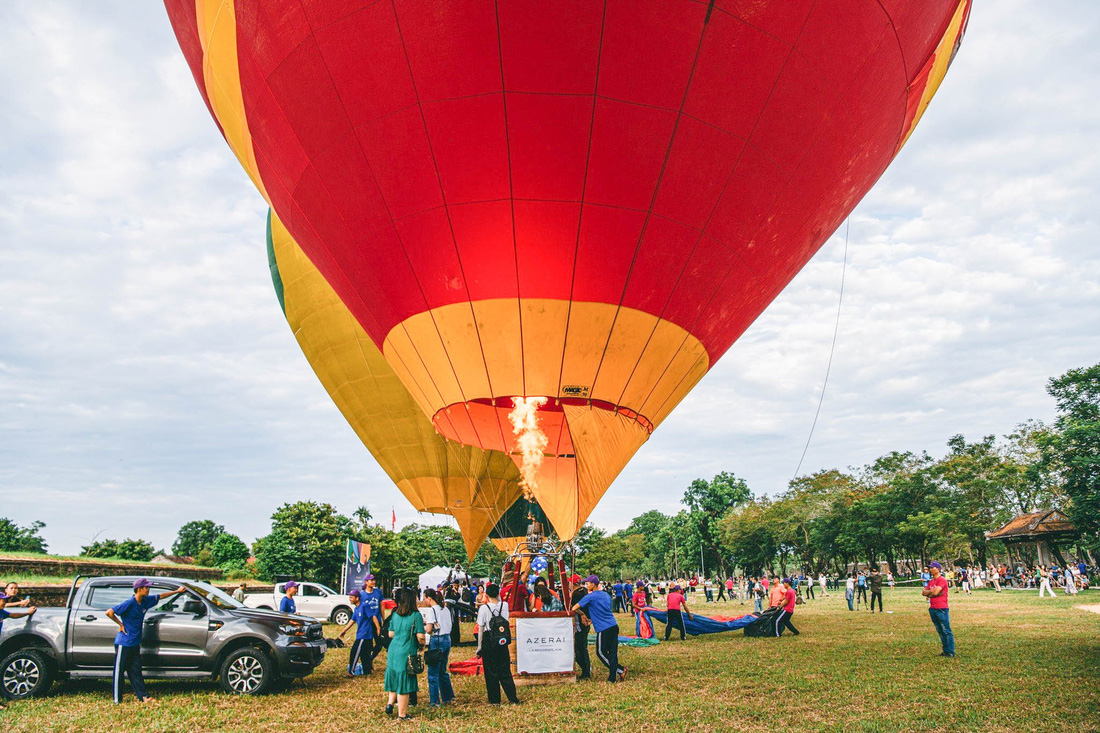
<point x="832" y="349"/>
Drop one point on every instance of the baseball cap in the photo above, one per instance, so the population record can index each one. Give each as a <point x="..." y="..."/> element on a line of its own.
<point x="574" y="578"/>
<point x="641" y="584"/>
<point x="354" y="594"/>
<point x="141" y="583"/>
<point x="4" y="596"/>
<point x="369" y="576"/>
<point x="290" y="584"/>
<point x="592" y="579"/>
<point x="936" y="565"/>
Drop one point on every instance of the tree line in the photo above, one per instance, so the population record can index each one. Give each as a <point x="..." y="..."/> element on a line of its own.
<point x="904" y="509"/>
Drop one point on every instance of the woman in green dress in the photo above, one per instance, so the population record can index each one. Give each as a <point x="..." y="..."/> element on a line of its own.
<point x="406" y="637"/>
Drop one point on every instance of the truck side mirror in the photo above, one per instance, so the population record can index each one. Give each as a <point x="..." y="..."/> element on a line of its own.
<point x="195" y="607"/>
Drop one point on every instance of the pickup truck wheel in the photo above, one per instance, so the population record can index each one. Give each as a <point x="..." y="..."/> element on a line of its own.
<point x="25" y="673"/>
<point x="341" y="616"/>
<point x="247" y="671"/>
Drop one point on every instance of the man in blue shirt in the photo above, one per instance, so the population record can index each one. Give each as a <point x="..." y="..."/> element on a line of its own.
<point x="367" y="627"/>
<point x="130" y="617"/>
<point x="371" y="598"/>
<point x="287" y="604"/>
<point x="617" y="588"/>
<point x="597" y="605"/>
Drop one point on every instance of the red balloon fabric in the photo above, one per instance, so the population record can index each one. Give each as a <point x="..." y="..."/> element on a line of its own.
<point x="584" y="200"/>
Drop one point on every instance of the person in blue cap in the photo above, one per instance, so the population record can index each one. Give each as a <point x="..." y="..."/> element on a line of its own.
<point x="287" y="604"/>
<point x="367" y="627"/>
<point x="597" y="605"/>
<point x="371" y="598"/>
<point x="130" y="617"/>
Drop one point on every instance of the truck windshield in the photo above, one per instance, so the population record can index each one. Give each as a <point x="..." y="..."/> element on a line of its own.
<point x="216" y="597"/>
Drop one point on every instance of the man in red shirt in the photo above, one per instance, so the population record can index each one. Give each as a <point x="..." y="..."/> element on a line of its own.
<point x="783" y="620"/>
<point x="936" y="593"/>
<point x="677" y="607"/>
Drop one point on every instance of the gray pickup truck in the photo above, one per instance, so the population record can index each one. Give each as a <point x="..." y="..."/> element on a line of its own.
<point x="202" y="633"/>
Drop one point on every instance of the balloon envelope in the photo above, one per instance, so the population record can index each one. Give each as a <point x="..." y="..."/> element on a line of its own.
<point x="586" y="201"/>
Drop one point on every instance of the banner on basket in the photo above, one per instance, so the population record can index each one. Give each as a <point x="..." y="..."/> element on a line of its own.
<point x="544" y="645"/>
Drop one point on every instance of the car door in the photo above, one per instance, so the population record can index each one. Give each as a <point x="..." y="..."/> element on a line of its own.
<point x="176" y="632"/>
<point x="310" y="602"/>
<point x="92" y="637"/>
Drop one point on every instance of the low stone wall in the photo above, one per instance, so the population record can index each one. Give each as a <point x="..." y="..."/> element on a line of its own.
<point x="50" y="566"/>
<point x="52" y="596"/>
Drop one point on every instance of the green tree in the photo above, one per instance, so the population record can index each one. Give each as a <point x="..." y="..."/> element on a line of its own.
<point x="127" y="549"/>
<point x="974" y="474"/>
<point x="306" y="540"/>
<point x="1076" y="446"/>
<point x="708" y="502"/>
<point x="229" y="552"/>
<point x="196" y="535"/>
<point x="14" y="538"/>
<point x="650" y="527"/>
<point x="1032" y="480"/>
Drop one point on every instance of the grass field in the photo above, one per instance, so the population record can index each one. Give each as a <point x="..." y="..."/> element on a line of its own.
<point x="1023" y="664"/>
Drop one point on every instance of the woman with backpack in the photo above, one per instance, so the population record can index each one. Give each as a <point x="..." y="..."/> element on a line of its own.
<point x="438" y="622"/>
<point x="494" y="636"/>
<point x="406" y="634"/>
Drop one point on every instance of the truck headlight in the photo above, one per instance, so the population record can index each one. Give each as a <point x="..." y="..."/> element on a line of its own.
<point x="293" y="629"/>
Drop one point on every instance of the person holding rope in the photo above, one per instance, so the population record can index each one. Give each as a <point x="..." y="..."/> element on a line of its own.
<point x="367" y="627"/>
<point x="677" y="607"/>
<point x="783" y="619"/>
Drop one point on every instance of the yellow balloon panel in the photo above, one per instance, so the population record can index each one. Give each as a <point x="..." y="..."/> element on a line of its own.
<point x="435" y="474"/>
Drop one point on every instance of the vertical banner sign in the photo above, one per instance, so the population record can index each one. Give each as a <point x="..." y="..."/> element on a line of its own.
<point x="356" y="565"/>
<point x="544" y="645"/>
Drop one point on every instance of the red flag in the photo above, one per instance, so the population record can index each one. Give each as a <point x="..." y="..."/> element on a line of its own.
<point x="393" y="520"/>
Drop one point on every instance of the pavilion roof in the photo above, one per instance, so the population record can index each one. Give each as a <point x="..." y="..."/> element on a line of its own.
<point x="1043" y="523"/>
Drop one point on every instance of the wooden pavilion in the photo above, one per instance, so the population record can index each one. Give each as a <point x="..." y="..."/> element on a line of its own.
<point x="1044" y="528"/>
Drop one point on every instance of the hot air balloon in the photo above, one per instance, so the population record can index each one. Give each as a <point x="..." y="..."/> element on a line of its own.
<point x="435" y="474"/>
<point x="556" y="214"/>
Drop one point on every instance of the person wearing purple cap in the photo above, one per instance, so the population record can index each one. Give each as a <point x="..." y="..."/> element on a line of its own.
<point x="597" y="604"/>
<point x="287" y="604"/>
<point x="371" y="598"/>
<point x="936" y="593"/>
<point x="367" y="627"/>
<point x="130" y="617"/>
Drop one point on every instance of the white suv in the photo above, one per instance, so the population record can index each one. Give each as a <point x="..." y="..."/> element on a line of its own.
<point x="313" y="599"/>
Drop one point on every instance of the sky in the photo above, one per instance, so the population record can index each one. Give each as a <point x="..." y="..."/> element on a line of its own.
<point x="148" y="377"/>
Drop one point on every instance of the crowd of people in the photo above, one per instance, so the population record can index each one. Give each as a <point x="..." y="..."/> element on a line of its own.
<point x="428" y="620"/>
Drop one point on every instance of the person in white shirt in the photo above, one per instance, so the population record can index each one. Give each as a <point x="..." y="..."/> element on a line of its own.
<point x="850" y="591"/>
<point x="823" y="583"/>
<point x="1044" y="582"/>
<point x="495" y="659"/>
<point x="1071" y="580"/>
<point x="437" y="625"/>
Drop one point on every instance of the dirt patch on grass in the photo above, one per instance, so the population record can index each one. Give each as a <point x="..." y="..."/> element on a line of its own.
<point x="1094" y="608"/>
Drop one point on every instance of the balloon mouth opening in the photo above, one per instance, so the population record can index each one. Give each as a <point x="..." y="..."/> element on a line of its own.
<point x="485" y="422"/>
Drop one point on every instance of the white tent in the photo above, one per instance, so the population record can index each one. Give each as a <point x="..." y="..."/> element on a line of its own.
<point x="433" y="577"/>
